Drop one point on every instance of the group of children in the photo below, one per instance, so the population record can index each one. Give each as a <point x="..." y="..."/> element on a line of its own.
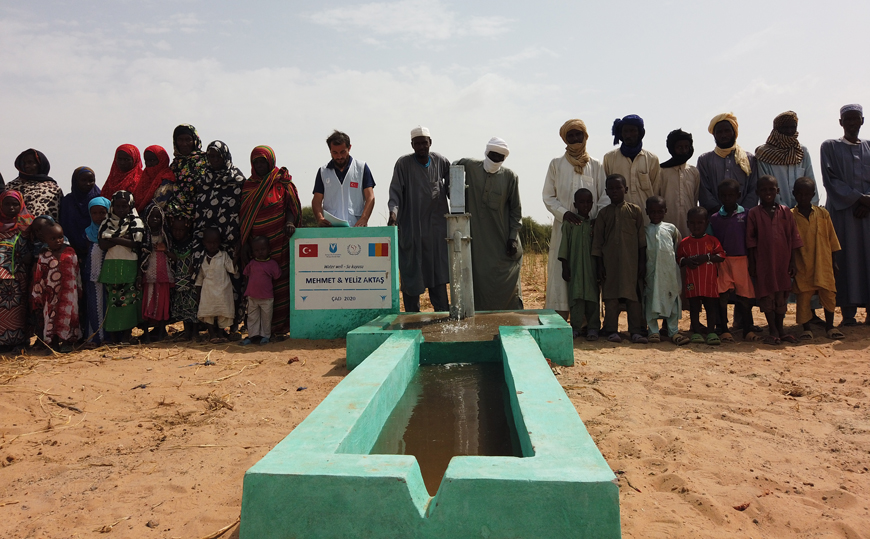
<point x="760" y="256"/>
<point x="135" y="274"/>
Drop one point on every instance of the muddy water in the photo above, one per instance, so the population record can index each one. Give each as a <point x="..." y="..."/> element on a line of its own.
<point x="437" y="327"/>
<point x="446" y="411"/>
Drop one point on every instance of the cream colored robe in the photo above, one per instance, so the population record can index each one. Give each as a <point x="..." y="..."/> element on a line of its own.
<point x="641" y="175"/>
<point x="679" y="188"/>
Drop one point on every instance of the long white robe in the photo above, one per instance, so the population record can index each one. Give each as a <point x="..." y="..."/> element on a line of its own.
<point x="679" y="187"/>
<point x="559" y="187"/>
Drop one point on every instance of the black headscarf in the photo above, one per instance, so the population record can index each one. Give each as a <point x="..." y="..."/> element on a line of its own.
<point x="42" y="163"/>
<point x="673" y="137"/>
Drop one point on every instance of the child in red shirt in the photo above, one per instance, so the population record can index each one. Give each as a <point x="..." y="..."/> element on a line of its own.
<point x="699" y="254"/>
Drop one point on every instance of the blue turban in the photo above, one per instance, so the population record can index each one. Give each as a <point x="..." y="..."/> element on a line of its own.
<point x="616" y="131"/>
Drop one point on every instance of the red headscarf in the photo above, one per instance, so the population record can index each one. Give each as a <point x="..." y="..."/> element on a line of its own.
<point x="123" y="181"/>
<point x="14" y="223"/>
<point x="152" y="178"/>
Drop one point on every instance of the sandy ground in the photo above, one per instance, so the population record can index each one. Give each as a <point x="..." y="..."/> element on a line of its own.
<point x="740" y="440"/>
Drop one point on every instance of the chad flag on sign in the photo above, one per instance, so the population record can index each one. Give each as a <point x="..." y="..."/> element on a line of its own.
<point x="379" y="249"/>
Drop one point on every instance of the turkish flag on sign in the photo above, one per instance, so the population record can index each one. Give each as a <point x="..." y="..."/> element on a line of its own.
<point x="308" y="249"/>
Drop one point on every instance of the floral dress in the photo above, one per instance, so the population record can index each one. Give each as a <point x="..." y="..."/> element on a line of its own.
<point x="56" y="289"/>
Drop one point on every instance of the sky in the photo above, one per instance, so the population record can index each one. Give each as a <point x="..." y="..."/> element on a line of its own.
<point x="78" y="79"/>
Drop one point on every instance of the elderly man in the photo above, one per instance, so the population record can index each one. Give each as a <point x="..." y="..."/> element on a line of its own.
<point x="639" y="167"/>
<point x="493" y="200"/>
<point x="344" y="187"/>
<point x="679" y="180"/>
<point x="418" y="203"/>
<point x="573" y="170"/>
<point x="846" y="175"/>
<point x="727" y="161"/>
<point x="784" y="158"/>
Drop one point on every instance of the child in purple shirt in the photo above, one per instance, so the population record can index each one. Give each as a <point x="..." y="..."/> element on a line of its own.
<point x="260" y="271"/>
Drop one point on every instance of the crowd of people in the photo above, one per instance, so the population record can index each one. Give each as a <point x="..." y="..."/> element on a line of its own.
<point x="192" y="240"/>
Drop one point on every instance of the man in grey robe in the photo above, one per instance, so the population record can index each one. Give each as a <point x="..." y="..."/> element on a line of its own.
<point x="727" y="161"/>
<point x="418" y="204"/>
<point x="846" y="176"/>
<point x="493" y="200"/>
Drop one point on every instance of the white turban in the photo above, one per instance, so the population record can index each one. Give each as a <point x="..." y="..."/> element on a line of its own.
<point x="420" y="131"/>
<point x="496" y="145"/>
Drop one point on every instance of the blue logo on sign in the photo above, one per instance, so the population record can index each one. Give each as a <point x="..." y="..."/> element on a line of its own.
<point x="333" y="247"/>
<point x="383" y="298"/>
<point x="304" y="298"/>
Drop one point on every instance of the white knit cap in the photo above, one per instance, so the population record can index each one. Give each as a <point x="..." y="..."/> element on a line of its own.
<point x="420" y="131"/>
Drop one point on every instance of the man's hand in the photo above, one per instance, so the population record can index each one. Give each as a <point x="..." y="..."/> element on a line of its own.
<point x="363" y="221"/>
<point x="323" y="222"/>
<point x="511" y="247"/>
<point x="393" y="220"/>
<point x="572" y="218"/>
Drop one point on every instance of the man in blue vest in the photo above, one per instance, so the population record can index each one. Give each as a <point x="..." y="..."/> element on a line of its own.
<point x="344" y="187"/>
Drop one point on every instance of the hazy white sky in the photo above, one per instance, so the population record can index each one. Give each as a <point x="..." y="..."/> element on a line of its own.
<point x="77" y="79"/>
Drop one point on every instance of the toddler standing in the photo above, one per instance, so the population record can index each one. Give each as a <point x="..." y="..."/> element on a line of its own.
<point x="773" y="240"/>
<point x="619" y="248"/>
<point x="699" y="254"/>
<point x="578" y="269"/>
<point x="214" y="288"/>
<point x="157" y="278"/>
<point x="260" y="271"/>
<point x="56" y="289"/>
<point x="661" y="297"/>
<point x="815" y="267"/>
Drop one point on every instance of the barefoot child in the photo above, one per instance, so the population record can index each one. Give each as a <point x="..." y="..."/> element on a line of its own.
<point x="661" y="297"/>
<point x="700" y="253"/>
<point x="260" y="271"/>
<point x="16" y="258"/>
<point x="183" y="303"/>
<point x="578" y="268"/>
<point x="95" y="291"/>
<point x="619" y="250"/>
<point x="121" y="236"/>
<point x="728" y="225"/>
<point x="815" y="267"/>
<point x="214" y="288"/>
<point x="157" y="278"/>
<point x="773" y="240"/>
<point x="56" y="289"/>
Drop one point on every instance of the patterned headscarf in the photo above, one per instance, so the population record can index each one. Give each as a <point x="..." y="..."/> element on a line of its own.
<point x="740" y="156"/>
<point x="123" y="181"/>
<point x="93" y="230"/>
<point x="150" y="238"/>
<point x="575" y="153"/>
<point x="256" y="189"/>
<point x="674" y="137"/>
<point x="632" y="119"/>
<point x="43" y="166"/>
<point x="781" y="149"/>
<point x="14" y="223"/>
<point x="153" y="177"/>
<point x="115" y="227"/>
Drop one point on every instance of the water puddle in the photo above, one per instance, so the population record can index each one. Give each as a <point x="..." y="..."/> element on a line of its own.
<point x="450" y="410"/>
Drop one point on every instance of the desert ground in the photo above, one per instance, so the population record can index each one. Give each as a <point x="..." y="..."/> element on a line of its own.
<point x="739" y="440"/>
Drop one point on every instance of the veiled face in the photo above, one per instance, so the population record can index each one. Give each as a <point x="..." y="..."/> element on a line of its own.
<point x="575" y="136"/>
<point x="788" y="127"/>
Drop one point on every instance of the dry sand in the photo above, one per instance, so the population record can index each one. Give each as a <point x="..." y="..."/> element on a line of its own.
<point x="740" y="440"/>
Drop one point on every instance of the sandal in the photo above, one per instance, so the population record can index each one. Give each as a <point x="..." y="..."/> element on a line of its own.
<point x="849" y="322"/>
<point x="637" y="338"/>
<point x="575" y="333"/>
<point x="807" y="335"/>
<point x="218" y="340"/>
<point x="614" y="337"/>
<point x="679" y="339"/>
<point x="592" y="335"/>
<point x="773" y="341"/>
<point x="697" y="339"/>
<point x="713" y="339"/>
<point x="655" y="338"/>
<point x="789" y="338"/>
<point x="726" y="338"/>
<point x="835" y="334"/>
<point x="752" y="337"/>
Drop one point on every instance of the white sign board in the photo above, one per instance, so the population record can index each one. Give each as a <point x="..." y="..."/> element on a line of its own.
<point x="343" y="273"/>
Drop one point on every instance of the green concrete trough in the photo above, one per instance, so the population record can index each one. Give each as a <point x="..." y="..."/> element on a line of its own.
<point x="322" y="481"/>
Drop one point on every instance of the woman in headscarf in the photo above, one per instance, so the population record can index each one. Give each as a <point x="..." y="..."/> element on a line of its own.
<point x="15" y="257"/>
<point x="679" y="180"/>
<point x="157" y="182"/>
<point x="41" y="193"/>
<point x="189" y="166"/>
<point x="217" y="204"/>
<point x="573" y="170"/>
<point x="125" y="172"/>
<point x="74" y="214"/>
<point x="271" y="208"/>
<point x="95" y="291"/>
<point x="784" y="158"/>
